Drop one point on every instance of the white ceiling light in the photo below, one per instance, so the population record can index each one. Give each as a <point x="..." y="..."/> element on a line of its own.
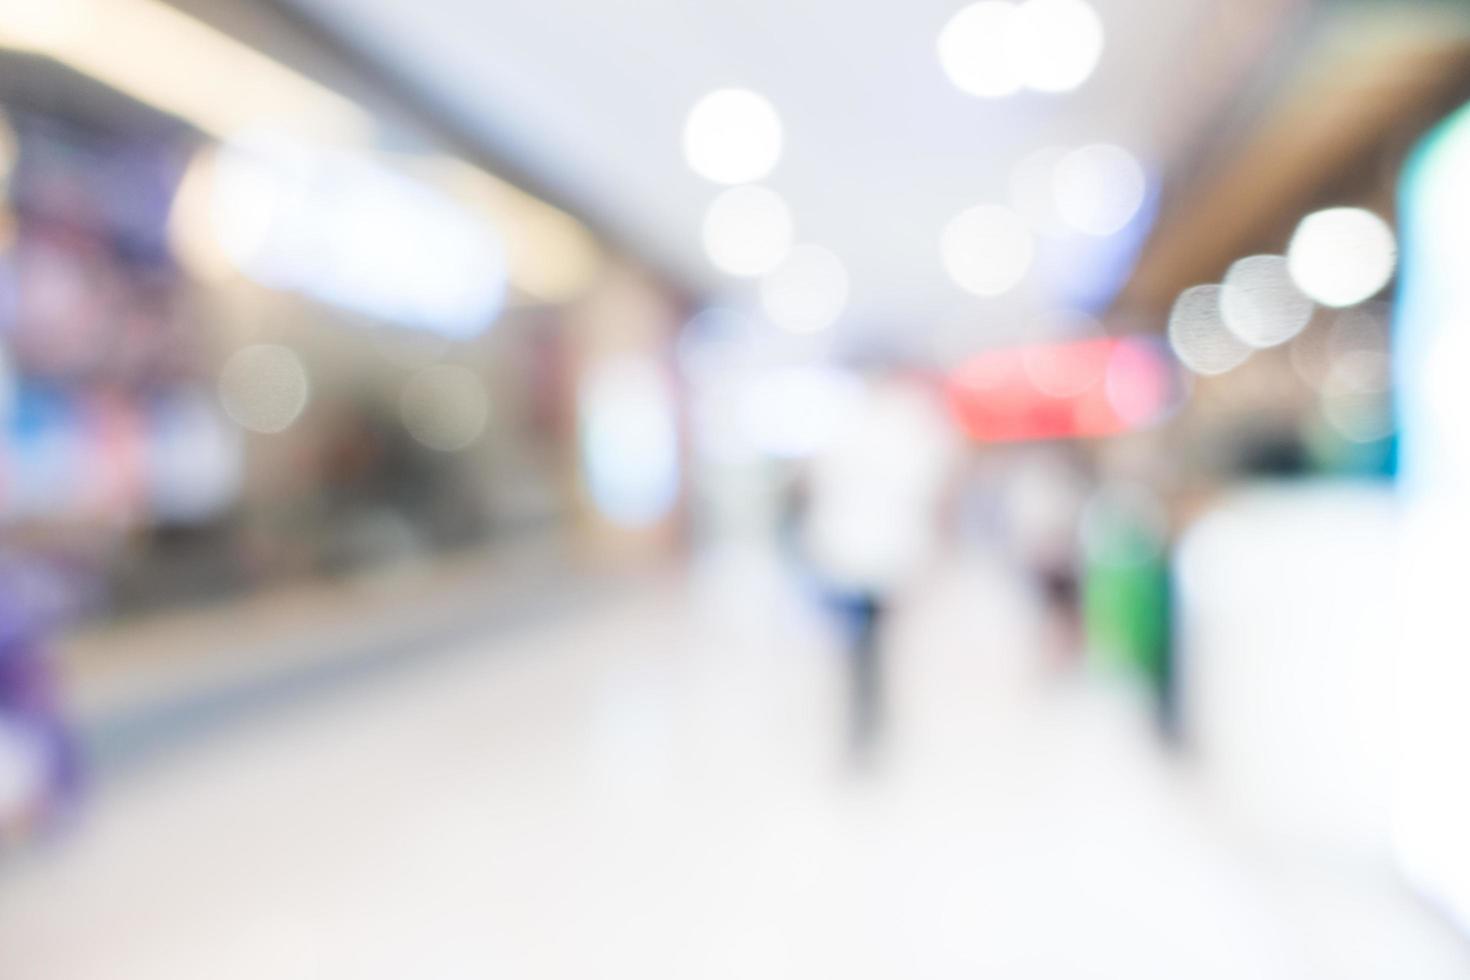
<point x="986" y="249"/>
<point x="1198" y="335"/>
<point x="994" y="48"/>
<point x="975" y="49"/>
<point x="747" y="231"/>
<point x="1341" y="256"/>
<point x="1259" y="303"/>
<point x="806" y="292"/>
<point x="732" y="136"/>
<point x="1099" y="188"/>
<point x="1055" y="44"/>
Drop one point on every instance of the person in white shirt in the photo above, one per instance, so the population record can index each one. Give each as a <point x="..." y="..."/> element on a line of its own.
<point x="871" y="523"/>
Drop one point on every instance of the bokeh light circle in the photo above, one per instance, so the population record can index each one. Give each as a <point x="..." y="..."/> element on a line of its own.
<point x="444" y="407"/>
<point x="1260" y="304"/>
<point x="733" y="136"/>
<point x="1099" y="188"/>
<point x="975" y="49"/>
<point x="1055" y="44"/>
<point x="1342" y="256"/>
<point x="747" y="231"/>
<point x="264" y="387"/>
<point x="987" y="249"/>
<point x="807" y="292"/>
<point x="1198" y="335"/>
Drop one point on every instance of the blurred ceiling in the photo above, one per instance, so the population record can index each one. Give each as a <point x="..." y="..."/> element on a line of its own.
<point x="880" y="148"/>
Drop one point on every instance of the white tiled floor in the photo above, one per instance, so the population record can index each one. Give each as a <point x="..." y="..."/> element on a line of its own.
<point x="656" y="788"/>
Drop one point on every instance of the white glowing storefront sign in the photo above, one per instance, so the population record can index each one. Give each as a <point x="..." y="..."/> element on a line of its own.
<point x="346" y="231"/>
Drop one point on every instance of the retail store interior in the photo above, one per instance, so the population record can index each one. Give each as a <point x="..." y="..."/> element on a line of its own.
<point x="964" y="488"/>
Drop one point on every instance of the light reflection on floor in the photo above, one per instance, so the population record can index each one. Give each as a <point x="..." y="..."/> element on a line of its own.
<point x="656" y="788"/>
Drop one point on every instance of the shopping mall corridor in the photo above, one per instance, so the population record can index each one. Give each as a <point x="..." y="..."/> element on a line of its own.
<point x="656" y="787"/>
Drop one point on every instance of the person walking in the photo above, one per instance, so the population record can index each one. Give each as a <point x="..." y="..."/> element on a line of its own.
<point x="871" y="525"/>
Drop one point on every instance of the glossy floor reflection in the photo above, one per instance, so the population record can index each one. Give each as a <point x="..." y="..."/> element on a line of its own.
<point x="656" y="787"/>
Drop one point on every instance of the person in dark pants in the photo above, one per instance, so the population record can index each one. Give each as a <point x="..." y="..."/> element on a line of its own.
<point x="864" y="616"/>
<point x="869" y="527"/>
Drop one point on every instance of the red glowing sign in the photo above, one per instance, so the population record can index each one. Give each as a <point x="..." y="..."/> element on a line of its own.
<point x="1079" y="389"/>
